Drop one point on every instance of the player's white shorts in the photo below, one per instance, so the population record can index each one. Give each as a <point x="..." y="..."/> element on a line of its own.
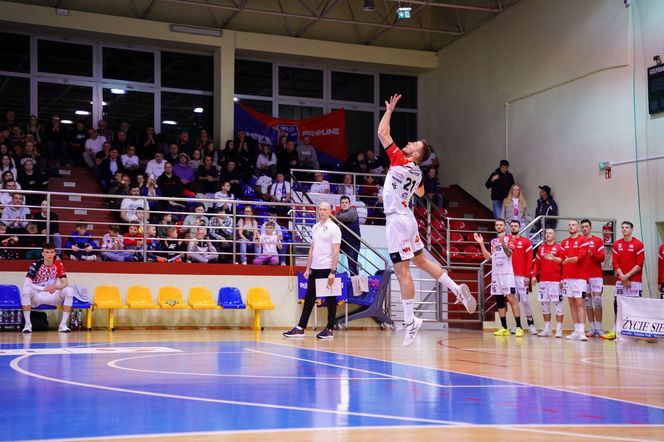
<point x="46" y="298"/>
<point x="502" y="284"/>
<point x="521" y="287"/>
<point x="634" y="291"/>
<point x="574" y="288"/>
<point x="549" y="292"/>
<point x="403" y="238"/>
<point x="595" y="285"/>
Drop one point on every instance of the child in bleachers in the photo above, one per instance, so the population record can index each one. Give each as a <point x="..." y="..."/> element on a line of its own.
<point x="81" y="244"/>
<point x="152" y="243"/>
<point x="201" y="248"/>
<point x="269" y="242"/>
<point x="172" y="247"/>
<point x="133" y="242"/>
<point x="112" y="246"/>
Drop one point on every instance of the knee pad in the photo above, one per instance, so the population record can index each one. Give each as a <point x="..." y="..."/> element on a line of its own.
<point x="588" y="301"/>
<point x="528" y="310"/>
<point x="26" y="295"/>
<point x="546" y="308"/>
<point x="597" y="301"/>
<point x="67" y="294"/>
<point x="500" y="301"/>
<point x="559" y="308"/>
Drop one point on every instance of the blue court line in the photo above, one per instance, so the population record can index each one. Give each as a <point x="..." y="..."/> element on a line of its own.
<point x="100" y="400"/>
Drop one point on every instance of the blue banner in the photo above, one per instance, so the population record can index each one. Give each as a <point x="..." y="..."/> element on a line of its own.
<point x="255" y="128"/>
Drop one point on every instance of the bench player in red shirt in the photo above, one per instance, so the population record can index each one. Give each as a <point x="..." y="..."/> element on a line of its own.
<point x="574" y="282"/>
<point x="522" y="263"/>
<point x="628" y="258"/>
<point x="548" y="269"/>
<point x="592" y="267"/>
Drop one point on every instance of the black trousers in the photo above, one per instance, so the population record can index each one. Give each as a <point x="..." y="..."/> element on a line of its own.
<point x="351" y="251"/>
<point x="310" y="299"/>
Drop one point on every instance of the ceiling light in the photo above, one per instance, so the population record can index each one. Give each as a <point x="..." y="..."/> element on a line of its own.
<point x="66" y="121"/>
<point x="169" y="122"/>
<point x="198" y="110"/>
<point x="210" y="32"/>
<point x="79" y="112"/>
<point x="369" y="6"/>
<point x="236" y="99"/>
<point x="118" y="91"/>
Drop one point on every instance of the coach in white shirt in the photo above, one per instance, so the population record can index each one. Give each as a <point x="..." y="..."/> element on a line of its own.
<point x="321" y="264"/>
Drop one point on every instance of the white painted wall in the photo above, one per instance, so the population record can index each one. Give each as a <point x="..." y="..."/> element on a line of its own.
<point x="548" y="86"/>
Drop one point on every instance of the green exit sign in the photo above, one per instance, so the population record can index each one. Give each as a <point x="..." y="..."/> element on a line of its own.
<point x="404" y="12"/>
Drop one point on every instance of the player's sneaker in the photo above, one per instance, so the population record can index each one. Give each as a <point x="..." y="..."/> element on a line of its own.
<point x="559" y="333"/>
<point x="610" y="335"/>
<point x="294" y="333"/>
<point x="27" y="330"/>
<point x="64" y="329"/>
<point x="411" y="331"/>
<point x="581" y="337"/>
<point x="544" y="334"/>
<point x="519" y="332"/>
<point x="574" y="336"/>
<point x="532" y="329"/>
<point x="466" y="298"/>
<point x="325" y="334"/>
<point x="501" y="332"/>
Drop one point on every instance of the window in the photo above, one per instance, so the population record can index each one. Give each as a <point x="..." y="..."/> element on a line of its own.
<point x="128" y="65"/>
<point x="137" y="108"/>
<point x="64" y="58"/>
<point x="69" y="101"/>
<point x="14" y="53"/>
<point x="292" y="112"/>
<point x="253" y="78"/>
<point x="181" y="112"/>
<point x="262" y="106"/>
<point x="187" y="71"/>
<point x="399" y="84"/>
<point x="300" y="82"/>
<point x="352" y="87"/>
<point x="360" y="131"/>
<point x="403" y="127"/>
<point x="15" y="95"/>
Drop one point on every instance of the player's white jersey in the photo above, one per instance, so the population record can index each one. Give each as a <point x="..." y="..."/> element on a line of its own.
<point x="402" y="179"/>
<point x="501" y="264"/>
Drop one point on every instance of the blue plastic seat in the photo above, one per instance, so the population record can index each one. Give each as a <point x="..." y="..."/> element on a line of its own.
<point x="230" y="297"/>
<point x="10" y="297"/>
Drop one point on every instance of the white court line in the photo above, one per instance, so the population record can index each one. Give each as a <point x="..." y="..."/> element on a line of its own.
<point x="15" y="364"/>
<point x="114" y="364"/>
<point x="470" y="374"/>
<point x="525" y="427"/>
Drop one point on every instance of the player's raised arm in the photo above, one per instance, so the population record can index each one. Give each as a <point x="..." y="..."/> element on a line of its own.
<point x="384" y="125"/>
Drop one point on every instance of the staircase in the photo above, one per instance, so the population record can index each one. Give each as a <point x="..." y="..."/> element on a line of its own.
<point x="463" y="205"/>
<point x="71" y="208"/>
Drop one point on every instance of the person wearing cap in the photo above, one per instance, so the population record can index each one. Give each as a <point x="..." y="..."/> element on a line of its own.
<point x="546" y="206"/>
<point x="500" y="182"/>
<point x="184" y="171"/>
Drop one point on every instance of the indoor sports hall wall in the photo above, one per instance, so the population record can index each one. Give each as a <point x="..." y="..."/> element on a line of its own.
<point x="547" y="85"/>
<point x="648" y="39"/>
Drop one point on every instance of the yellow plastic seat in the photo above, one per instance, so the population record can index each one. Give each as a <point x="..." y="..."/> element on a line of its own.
<point x="258" y="299"/>
<point x="171" y="297"/>
<point x="140" y="297"/>
<point x="201" y="297"/>
<point x="108" y="297"/>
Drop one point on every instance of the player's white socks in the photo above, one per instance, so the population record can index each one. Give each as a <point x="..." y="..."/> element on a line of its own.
<point x="580" y="328"/>
<point x="65" y="317"/>
<point x="559" y="326"/>
<point x="408" y="316"/>
<point x="28" y="322"/>
<point x="446" y="281"/>
<point x="547" y="325"/>
<point x="598" y="325"/>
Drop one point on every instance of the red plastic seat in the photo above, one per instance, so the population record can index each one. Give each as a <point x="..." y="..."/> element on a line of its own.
<point x="437" y="237"/>
<point x="420" y="212"/>
<point x="457" y="225"/>
<point x="455" y="255"/>
<point x="439" y="225"/>
<point x="474" y="254"/>
<point x="421" y="224"/>
<point x="456" y="237"/>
